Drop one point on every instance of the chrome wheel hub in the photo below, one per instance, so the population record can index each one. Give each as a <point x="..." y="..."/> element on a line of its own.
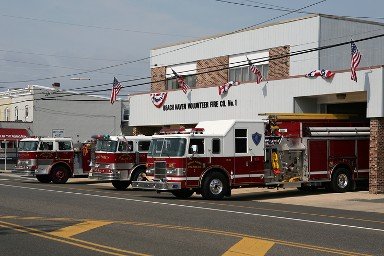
<point x="342" y="180"/>
<point x="216" y="186"/>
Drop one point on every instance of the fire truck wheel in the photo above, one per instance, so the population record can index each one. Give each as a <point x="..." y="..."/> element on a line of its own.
<point x="341" y="180"/>
<point x="183" y="193"/>
<point x="120" y="185"/>
<point x="59" y="174"/>
<point x="215" y="186"/>
<point x="43" y="178"/>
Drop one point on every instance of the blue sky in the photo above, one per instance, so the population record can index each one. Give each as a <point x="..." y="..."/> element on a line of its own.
<point x="46" y="41"/>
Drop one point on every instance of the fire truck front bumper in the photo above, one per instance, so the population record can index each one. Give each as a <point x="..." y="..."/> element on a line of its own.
<point x="110" y="176"/>
<point x="23" y="172"/>
<point x="157" y="185"/>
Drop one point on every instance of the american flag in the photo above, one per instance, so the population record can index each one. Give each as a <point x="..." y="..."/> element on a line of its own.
<point x="225" y="87"/>
<point x="181" y="82"/>
<point x="256" y="71"/>
<point x="115" y="90"/>
<point x="355" y="60"/>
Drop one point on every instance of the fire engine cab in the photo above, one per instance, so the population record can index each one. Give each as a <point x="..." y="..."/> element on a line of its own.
<point x="52" y="159"/>
<point x="217" y="156"/>
<point x="120" y="159"/>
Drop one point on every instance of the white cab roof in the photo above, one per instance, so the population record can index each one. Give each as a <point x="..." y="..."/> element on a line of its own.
<point x="221" y="127"/>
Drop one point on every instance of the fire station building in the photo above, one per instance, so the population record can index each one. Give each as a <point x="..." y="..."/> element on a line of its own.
<point x="284" y="52"/>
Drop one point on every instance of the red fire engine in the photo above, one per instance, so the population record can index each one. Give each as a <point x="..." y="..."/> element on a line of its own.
<point x="217" y="156"/>
<point x="52" y="159"/>
<point x="120" y="159"/>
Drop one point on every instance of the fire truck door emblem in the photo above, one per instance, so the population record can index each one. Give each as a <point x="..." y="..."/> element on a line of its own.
<point x="124" y="158"/>
<point x="256" y="137"/>
<point x="46" y="155"/>
<point x="195" y="165"/>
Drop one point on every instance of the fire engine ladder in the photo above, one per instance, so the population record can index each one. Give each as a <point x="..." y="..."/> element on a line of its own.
<point x="306" y="116"/>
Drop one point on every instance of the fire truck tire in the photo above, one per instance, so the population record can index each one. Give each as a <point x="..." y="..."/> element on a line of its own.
<point x="215" y="186"/>
<point x="120" y="185"/>
<point x="59" y="174"/>
<point x="183" y="193"/>
<point x="341" y="180"/>
<point x="43" y="178"/>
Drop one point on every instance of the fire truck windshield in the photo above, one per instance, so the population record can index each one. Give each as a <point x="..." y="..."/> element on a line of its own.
<point x="28" y="145"/>
<point x="106" y="145"/>
<point x="167" y="147"/>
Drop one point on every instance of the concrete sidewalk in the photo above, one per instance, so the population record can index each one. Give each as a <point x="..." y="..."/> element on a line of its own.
<point x="353" y="201"/>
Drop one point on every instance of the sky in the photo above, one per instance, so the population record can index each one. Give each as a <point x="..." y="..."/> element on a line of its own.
<point x="48" y="41"/>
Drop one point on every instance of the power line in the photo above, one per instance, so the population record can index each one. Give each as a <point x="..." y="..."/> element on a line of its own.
<point x="170" y="51"/>
<point x="92" y="26"/>
<point x="59" y="56"/>
<point x="281" y="8"/>
<point x="258" y="60"/>
<point x="275" y="7"/>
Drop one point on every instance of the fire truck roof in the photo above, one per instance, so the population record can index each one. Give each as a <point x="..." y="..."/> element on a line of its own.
<point x="221" y="127"/>
<point x="46" y="139"/>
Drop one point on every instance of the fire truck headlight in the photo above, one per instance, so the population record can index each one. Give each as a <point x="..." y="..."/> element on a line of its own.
<point x="176" y="171"/>
<point x="150" y="171"/>
<point x="171" y="171"/>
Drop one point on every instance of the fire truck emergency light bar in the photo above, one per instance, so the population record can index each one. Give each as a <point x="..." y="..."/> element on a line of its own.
<point x="181" y="131"/>
<point x="101" y="137"/>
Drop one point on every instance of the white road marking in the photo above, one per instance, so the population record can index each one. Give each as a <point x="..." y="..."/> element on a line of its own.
<point x="3" y="179"/>
<point x="199" y="208"/>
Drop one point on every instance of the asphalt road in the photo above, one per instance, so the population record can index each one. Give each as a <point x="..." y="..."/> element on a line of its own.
<point x="95" y="219"/>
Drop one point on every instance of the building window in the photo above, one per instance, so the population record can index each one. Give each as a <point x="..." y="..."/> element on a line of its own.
<point x="126" y="114"/>
<point x="187" y="71"/>
<point x="190" y="80"/>
<point x="243" y="74"/>
<point x="6" y="114"/>
<point x="26" y="111"/>
<point x="241" y="141"/>
<point x="16" y="113"/>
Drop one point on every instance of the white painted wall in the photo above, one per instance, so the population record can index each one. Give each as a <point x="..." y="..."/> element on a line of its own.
<point x="300" y="34"/>
<point x="79" y="116"/>
<point x="334" y="31"/>
<point x="252" y="99"/>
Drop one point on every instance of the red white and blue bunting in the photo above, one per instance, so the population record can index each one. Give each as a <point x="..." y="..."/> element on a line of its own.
<point x="324" y="73"/>
<point x="158" y="99"/>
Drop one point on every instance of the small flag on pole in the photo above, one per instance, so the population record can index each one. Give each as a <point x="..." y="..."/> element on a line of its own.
<point x="256" y="71"/>
<point x="355" y="60"/>
<point x="116" y="87"/>
<point x="180" y="80"/>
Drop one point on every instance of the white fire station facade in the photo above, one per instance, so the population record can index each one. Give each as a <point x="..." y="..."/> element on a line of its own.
<point x="284" y="53"/>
